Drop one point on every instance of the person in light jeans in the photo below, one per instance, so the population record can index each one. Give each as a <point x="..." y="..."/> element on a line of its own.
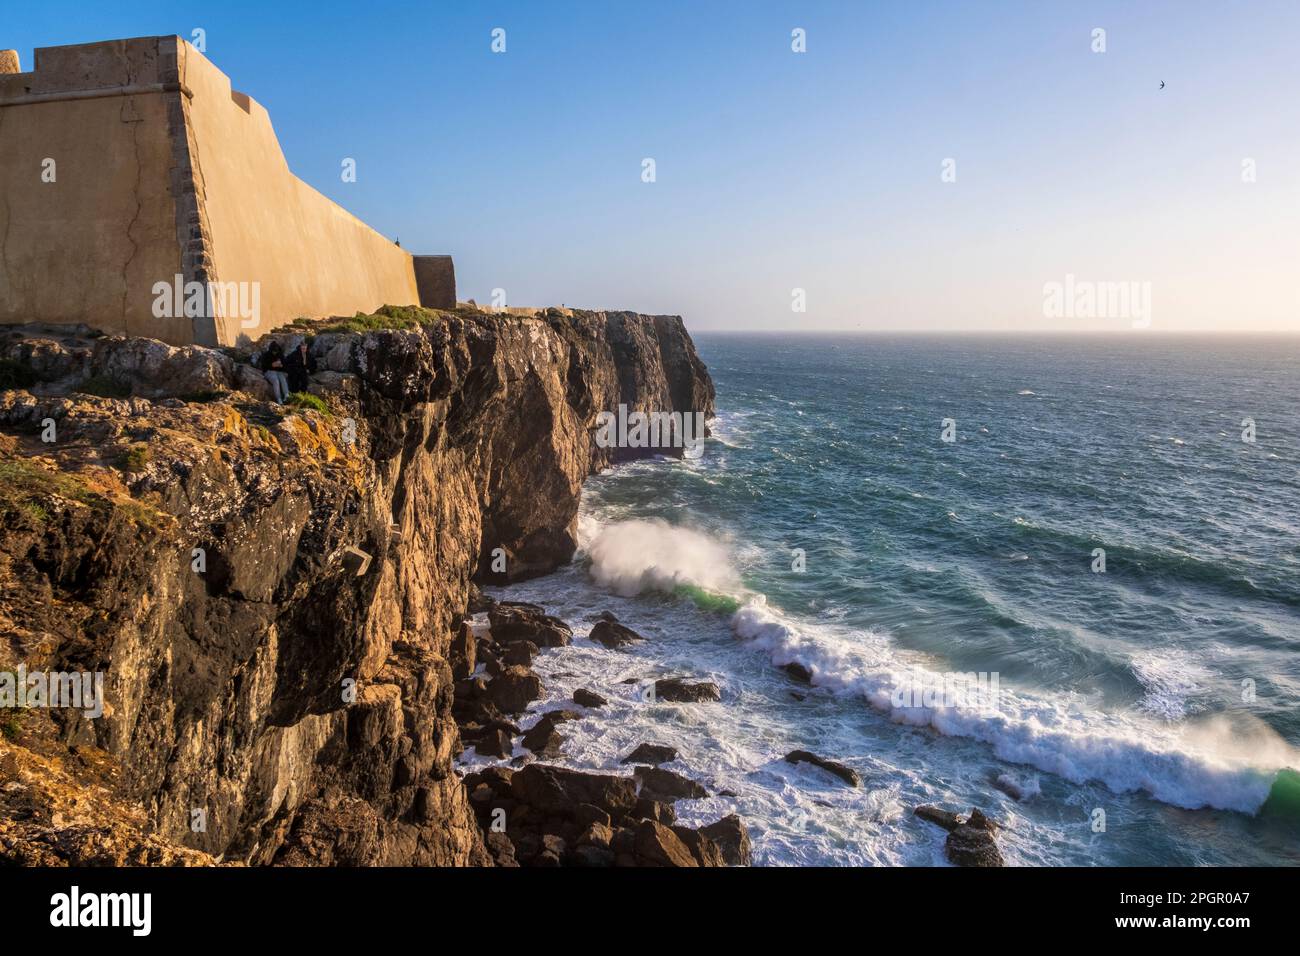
<point x="273" y="368"/>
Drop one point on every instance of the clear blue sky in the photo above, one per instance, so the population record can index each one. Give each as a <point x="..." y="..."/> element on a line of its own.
<point x="778" y="170"/>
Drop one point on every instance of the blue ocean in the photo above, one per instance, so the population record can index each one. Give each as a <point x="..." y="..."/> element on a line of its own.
<point x="1106" y="529"/>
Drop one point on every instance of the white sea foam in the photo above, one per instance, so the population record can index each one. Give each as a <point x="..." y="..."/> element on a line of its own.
<point x="631" y="557"/>
<point x="1206" y="764"/>
<point x="1170" y="678"/>
<point x="1188" y="765"/>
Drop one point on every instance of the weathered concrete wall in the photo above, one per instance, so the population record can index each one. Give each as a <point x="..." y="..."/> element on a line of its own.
<point x="87" y="219"/>
<point x="162" y="170"/>
<point x="309" y="255"/>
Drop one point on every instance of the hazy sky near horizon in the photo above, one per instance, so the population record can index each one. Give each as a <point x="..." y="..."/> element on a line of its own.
<point x="777" y="170"/>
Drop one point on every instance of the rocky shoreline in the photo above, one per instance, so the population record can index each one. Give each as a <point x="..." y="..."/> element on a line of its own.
<point x="275" y="595"/>
<point x="534" y="814"/>
<point x="286" y="601"/>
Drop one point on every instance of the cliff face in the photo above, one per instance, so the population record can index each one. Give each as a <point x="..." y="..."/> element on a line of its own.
<point x="273" y="596"/>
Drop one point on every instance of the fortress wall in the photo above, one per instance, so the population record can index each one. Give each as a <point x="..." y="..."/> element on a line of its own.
<point x="309" y="255"/>
<point x="163" y="170"/>
<point x="88" y="246"/>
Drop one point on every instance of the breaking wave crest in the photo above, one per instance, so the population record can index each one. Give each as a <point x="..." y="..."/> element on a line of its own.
<point x="1217" y="763"/>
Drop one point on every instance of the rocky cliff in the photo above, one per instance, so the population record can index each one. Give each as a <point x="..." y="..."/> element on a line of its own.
<point x="273" y="592"/>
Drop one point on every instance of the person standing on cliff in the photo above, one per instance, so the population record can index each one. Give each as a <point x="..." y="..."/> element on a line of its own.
<point x="299" y="366"/>
<point x="272" y="365"/>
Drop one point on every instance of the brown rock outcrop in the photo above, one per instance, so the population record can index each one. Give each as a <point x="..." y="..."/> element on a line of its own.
<point x="202" y="549"/>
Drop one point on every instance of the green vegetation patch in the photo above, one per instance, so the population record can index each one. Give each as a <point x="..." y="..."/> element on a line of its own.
<point x="135" y="458"/>
<point x="387" y="317"/>
<point x="23" y="486"/>
<point x="308" y="400"/>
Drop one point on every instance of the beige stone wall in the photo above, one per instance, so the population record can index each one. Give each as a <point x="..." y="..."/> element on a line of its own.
<point x="88" y="246"/>
<point x="309" y="255"/>
<point x="163" y="170"/>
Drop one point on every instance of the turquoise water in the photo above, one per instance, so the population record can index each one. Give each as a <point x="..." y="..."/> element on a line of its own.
<point x="1163" y="692"/>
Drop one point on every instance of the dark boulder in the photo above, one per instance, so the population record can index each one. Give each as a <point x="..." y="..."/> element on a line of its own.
<point x="973" y="844"/>
<point x="560" y="715"/>
<point x="494" y="742"/>
<point x="584" y="815"/>
<point x="800" y="673"/>
<point x="939" y="817"/>
<point x="543" y="739"/>
<point x="596" y="834"/>
<point x="677" y="690"/>
<point x="657" y="845"/>
<point x="527" y="622"/>
<point x="500" y="848"/>
<point x="732" y="840"/>
<point x="614" y="635"/>
<point x="666" y="786"/>
<point x="462" y="651"/>
<point x="519" y="653"/>
<point x="847" y="774"/>
<point x="558" y="791"/>
<point x="651" y="754"/>
<point x="705" y="851"/>
<point x="586" y="698"/>
<point x="515" y="689"/>
<point x="647" y="808"/>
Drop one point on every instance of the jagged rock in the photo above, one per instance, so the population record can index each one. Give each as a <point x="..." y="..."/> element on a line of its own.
<point x="651" y="754"/>
<point x="705" y="851"/>
<point x="584" y="814"/>
<point x="543" y="739"/>
<point x="500" y="848"/>
<point x="313" y="709"/>
<point x="514" y="689"/>
<point x="938" y="816"/>
<point x="614" y="635"/>
<point x="677" y="690"/>
<point x="973" y="844"/>
<point x="666" y="786"/>
<point x="800" y="673"/>
<point x="648" y="808"/>
<point x="495" y="742"/>
<point x="847" y="774"/>
<point x="586" y="698"/>
<point x="597" y="834"/>
<point x="732" y="840"/>
<point x="558" y="791"/>
<point x="657" y="845"/>
<point x="520" y="653"/>
<point x="527" y="622"/>
<point x="552" y="851"/>
<point x="463" y="651"/>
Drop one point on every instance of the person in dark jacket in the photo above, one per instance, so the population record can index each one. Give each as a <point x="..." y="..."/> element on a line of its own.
<point x="299" y="366"/>
<point x="272" y="365"/>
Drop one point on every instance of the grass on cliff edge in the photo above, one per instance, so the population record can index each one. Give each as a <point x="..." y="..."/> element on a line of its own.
<point x="385" y="317"/>
<point x="308" y="400"/>
<point x="23" y="485"/>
